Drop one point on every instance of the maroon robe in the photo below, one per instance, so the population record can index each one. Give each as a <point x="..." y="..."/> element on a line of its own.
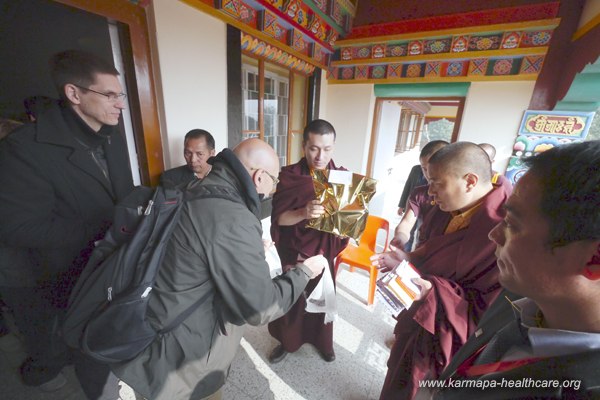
<point x="462" y="269"/>
<point x="294" y="191"/>
<point x="420" y="202"/>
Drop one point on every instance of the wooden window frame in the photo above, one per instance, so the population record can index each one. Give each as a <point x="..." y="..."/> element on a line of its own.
<point x="377" y="120"/>
<point x="261" y="98"/>
<point x="142" y="93"/>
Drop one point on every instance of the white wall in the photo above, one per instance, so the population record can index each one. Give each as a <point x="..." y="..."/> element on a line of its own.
<point x="350" y="109"/>
<point x="192" y="72"/>
<point x="493" y="113"/>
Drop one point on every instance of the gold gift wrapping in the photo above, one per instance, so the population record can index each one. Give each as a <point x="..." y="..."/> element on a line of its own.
<point x="346" y="206"/>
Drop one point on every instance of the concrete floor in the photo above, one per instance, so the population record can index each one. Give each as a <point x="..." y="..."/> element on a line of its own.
<point x="357" y="373"/>
<point x="359" y="334"/>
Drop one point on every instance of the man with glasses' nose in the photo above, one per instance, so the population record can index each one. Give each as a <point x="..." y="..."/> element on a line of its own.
<point x="60" y="179"/>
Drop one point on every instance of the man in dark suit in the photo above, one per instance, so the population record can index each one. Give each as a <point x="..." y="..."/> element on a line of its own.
<point x="198" y="147"/>
<point x="547" y="344"/>
<point x="60" y="179"/>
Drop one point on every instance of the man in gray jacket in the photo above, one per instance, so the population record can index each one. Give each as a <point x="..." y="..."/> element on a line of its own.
<point x="216" y="248"/>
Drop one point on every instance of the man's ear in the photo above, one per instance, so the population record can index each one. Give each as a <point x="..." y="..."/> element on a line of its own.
<point x="592" y="268"/>
<point x="256" y="176"/>
<point x="72" y="93"/>
<point x="471" y="180"/>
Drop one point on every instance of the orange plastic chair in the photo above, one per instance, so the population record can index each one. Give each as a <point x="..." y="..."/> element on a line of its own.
<point x="359" y="256"/>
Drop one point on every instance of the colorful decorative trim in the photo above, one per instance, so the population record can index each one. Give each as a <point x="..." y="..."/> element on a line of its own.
<point x="332" y="73"/>
<point x="377" y="72"/>
<point x="455" y="44"/>
<point x="487" y="17"/>
<point x="257" y="47"/>
<point x="361" y="72"/>
<point x="506" y="66"/>
<point x="532" y="65"/>
<point x="301" y="16"/>
<point x="304" y="29"/>
<point x="456" y="68"/>
<point x="490" y="54"/>
<point x="349" y="6"/>
<point x="437" y="46"/>
<point x="481" y="43"/>
<point x="459" y="44"/>
<point x="477" y="68"/>
<point x="267" y="22"/>
<point x="413" y="70"/>
<point x="432" y="69"/>
<point x="536" y="38"/>
<point x="394" y="71"/>
<point x="511" y="40"/>
<point x="347" y="73"/>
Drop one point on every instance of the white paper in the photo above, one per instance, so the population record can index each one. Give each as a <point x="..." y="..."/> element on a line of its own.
<point x="340" y="177"/>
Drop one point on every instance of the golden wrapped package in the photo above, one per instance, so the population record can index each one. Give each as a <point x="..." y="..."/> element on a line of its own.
<point x="346" y="197"/>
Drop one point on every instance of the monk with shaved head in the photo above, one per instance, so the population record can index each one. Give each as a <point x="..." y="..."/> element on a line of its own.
<point x="459" y="275"/>
<point x="215" y="265"/>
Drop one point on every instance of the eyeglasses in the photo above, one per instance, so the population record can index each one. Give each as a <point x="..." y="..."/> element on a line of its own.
<point x="273" y="178"/>
<point x="112" y="97"/>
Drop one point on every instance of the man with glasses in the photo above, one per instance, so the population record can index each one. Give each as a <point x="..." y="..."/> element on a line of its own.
<point x="294" y="204"/>
<point x="60" y="179"/>
<point x="216" y="254"/>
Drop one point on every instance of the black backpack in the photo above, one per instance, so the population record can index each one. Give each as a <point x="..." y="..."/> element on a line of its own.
<point x="106" y="317"/>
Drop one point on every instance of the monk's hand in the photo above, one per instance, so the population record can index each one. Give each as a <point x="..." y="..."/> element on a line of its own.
<point x="316" y="265"/>
<point x="267" y="243"/>
<point x="396" y="242"/>
<point x="314" y="209"/>
<point x="385" y="262"/>
<point x="425" y="286"/>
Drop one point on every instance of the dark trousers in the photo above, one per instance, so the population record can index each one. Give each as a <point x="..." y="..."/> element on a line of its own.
<point x="39" y="320"/>
<point x="39" y="323"/>
<point x="96" y="379"/>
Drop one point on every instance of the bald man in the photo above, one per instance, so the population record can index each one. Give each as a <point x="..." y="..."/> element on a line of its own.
<point x="457" y="263"/>
<point x="215" y="256"/>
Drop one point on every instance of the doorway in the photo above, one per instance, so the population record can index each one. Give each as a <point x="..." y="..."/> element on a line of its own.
<point x="401" y="127"/>
<point x="33" y="30"/>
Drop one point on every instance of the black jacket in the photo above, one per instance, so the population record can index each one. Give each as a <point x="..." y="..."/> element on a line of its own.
<point x="55" y="199"/>
<point x="582" y="367"/>
<point x="178" y="175"/>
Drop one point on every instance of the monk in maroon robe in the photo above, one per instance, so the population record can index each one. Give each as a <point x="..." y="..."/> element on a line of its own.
<point x="458" y="267"/>
<point x="294" y="203"/>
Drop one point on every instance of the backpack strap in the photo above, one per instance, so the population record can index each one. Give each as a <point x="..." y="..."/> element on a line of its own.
<point x="214" y="191"/>
<point x="203" y="192"/>
<point x="183" y="316"/>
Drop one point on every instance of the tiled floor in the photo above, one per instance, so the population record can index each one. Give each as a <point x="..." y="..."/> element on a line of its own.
<point x="357" y="373"/>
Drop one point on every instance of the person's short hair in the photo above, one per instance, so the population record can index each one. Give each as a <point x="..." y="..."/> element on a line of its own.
<point x="432" y="147"/>
<point x="318" y="127"/>
<point x="489" y="149"/>
<point x="35" y="105"/>
<point x="79" y="68"/>
<point x="461" y="157"/>
<point x="201" y="134"/>
<point x="7" y="126"/>
<point x="570" y="180"/>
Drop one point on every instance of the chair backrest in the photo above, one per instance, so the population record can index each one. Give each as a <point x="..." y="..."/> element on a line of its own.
<point x="369" y="236"/>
